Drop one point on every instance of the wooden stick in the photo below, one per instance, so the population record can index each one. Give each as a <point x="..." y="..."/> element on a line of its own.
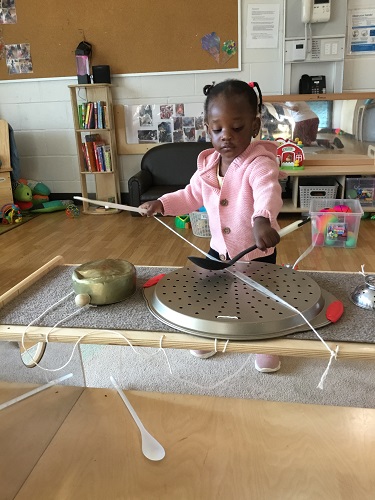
<point x="30" y="280"/>
<point x="109" y="204"/>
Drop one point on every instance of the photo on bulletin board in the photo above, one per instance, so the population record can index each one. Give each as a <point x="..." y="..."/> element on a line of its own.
<point x="163" y="123"/>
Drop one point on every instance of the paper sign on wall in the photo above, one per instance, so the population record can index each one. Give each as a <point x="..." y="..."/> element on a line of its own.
<point x="262" y="26"/>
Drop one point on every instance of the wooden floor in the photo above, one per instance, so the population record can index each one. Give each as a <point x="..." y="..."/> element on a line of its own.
<point x="144" y="241"/>
<point x="68" y="443"/>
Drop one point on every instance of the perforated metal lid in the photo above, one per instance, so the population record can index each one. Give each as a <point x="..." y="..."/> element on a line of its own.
<point x="220" y="305"/>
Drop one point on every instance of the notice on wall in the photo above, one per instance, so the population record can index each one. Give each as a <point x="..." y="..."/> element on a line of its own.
<point x="262" y="26"/>
<point x="361" y="31"/>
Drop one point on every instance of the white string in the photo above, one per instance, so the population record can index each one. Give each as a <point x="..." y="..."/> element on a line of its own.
<point x="362" y="271"/>
<point x="199" y="386"/>
<point x="272" y="295"/>
<point x="308" y="249"/>
<point x="187" y="241"/>
<point x="333" y="355"/>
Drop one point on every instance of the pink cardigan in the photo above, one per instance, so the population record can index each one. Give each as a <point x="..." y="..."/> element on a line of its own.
<point x="250" y="189"/>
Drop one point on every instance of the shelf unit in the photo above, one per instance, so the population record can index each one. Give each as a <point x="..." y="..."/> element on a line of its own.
<point x="105" y="183"/>
<point x="358" y="161"/>
<point x="6" y="193"/>
<point x="338" y="171"/>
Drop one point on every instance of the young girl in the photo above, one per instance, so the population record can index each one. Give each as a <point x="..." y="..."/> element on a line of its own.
<point x="237" y="182"/>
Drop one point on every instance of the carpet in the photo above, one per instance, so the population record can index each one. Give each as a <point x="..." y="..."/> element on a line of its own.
<point x="26" y="217"/>
<point x="349" y="382"/>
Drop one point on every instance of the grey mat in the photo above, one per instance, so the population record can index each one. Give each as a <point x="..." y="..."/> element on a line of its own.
<point x="349" y="382"/>
<point x="356" y="325"/>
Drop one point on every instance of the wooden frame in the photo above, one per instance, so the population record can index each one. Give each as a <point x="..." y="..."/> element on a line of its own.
<point x="282" y="347"/>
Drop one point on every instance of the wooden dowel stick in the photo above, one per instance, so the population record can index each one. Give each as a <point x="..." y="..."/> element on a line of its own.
<point x="109" y="204"/>
<point x="30" y="280"/>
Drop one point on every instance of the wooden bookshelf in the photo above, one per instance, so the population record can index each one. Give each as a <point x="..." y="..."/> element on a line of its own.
<point x="96" y="145"/>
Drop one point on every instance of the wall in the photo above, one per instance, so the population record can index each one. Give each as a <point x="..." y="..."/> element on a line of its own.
<point x="40" y="111"/>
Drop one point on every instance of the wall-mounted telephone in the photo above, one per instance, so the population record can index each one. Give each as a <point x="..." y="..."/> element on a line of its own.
<point x="312" y="84"/>
<point x="316" y="11"/>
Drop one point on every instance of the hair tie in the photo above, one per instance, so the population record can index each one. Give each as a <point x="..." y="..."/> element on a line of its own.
<point x="251" y="84"/>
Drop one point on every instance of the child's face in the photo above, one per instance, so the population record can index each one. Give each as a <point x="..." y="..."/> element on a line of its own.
<point x="231" y="124"/>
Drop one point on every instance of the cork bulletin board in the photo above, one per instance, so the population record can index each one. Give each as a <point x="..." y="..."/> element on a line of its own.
<point x="131" y="36"/>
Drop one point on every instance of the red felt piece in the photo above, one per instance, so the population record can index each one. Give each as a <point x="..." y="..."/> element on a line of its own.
<point x="335" y="311"/>
<point x="152" y="281"/>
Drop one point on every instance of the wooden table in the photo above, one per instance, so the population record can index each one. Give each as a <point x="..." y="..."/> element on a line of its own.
<point x="280" y="346"/>
<point x="69" y="443"/>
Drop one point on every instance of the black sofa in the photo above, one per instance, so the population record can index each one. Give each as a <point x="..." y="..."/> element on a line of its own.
<point x="164" y="169"/>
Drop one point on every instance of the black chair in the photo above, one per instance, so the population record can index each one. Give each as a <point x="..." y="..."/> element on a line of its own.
<point x="164" y="169"/>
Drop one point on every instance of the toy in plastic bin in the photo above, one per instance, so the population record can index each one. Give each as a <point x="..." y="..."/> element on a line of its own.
<point x="335" y="222"/>
<point x="182" y="221"/>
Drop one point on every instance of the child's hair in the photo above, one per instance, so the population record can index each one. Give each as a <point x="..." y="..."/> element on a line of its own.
<point x="233" y="87"/>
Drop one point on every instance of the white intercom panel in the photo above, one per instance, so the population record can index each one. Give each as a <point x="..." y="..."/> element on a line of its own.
<point x="316" y="11"/>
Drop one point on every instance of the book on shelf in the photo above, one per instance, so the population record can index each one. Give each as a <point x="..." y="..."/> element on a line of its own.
<point x="86" y="159"/>
<point x="81" y="115"/>
<point x="106" y="123"/>
<point x="95" y="119"/>
<point x="99" y="156"/>
<point x="89" y="144"/>
<point x="107" y="158"/>
<point x="100" y="105"/>
<point x="91" y="156"/>
<point x="92" y="115"/>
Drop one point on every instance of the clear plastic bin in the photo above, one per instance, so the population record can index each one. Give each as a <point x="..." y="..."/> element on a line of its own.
<point x="362" y="189"/>
<point x="336" y="228"/>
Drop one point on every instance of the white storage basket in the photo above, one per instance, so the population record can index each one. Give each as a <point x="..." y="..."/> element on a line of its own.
<point x="199" y="224"/>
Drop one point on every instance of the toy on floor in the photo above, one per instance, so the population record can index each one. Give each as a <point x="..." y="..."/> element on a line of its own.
<point x="23" y="196"/>
<point x="72" y="211"/>
<point x="29" y="194"/>
<point x="10" y="214"/>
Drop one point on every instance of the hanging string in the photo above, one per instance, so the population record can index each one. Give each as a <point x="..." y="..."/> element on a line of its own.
<point x="309" y="249"/>
<point x="187" y="241"/>
<point x="268" y="293"/>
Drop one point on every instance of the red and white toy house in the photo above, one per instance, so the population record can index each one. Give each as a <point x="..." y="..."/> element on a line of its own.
<point x="289" y="154"/>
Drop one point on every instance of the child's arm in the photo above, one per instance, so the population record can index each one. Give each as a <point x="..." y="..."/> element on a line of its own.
<point x="264" y="234"/>
<point x="152" y="207"/>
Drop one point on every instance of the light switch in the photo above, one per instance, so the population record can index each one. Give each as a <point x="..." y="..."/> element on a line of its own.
<point x="334" y="48"/>
<point x="327" y="49"/>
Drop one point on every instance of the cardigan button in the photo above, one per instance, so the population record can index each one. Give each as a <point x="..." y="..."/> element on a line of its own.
<point x="222" y="257"/>
<point x="224" y="203"/>
<point x="226" y="230"/>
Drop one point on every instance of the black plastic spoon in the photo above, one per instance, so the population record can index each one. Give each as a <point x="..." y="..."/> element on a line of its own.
<point x="214" y="264"/>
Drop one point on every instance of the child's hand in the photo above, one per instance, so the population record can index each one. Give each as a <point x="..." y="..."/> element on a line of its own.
<point x="152" y="207"/>
<point x="265" y="235"/>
